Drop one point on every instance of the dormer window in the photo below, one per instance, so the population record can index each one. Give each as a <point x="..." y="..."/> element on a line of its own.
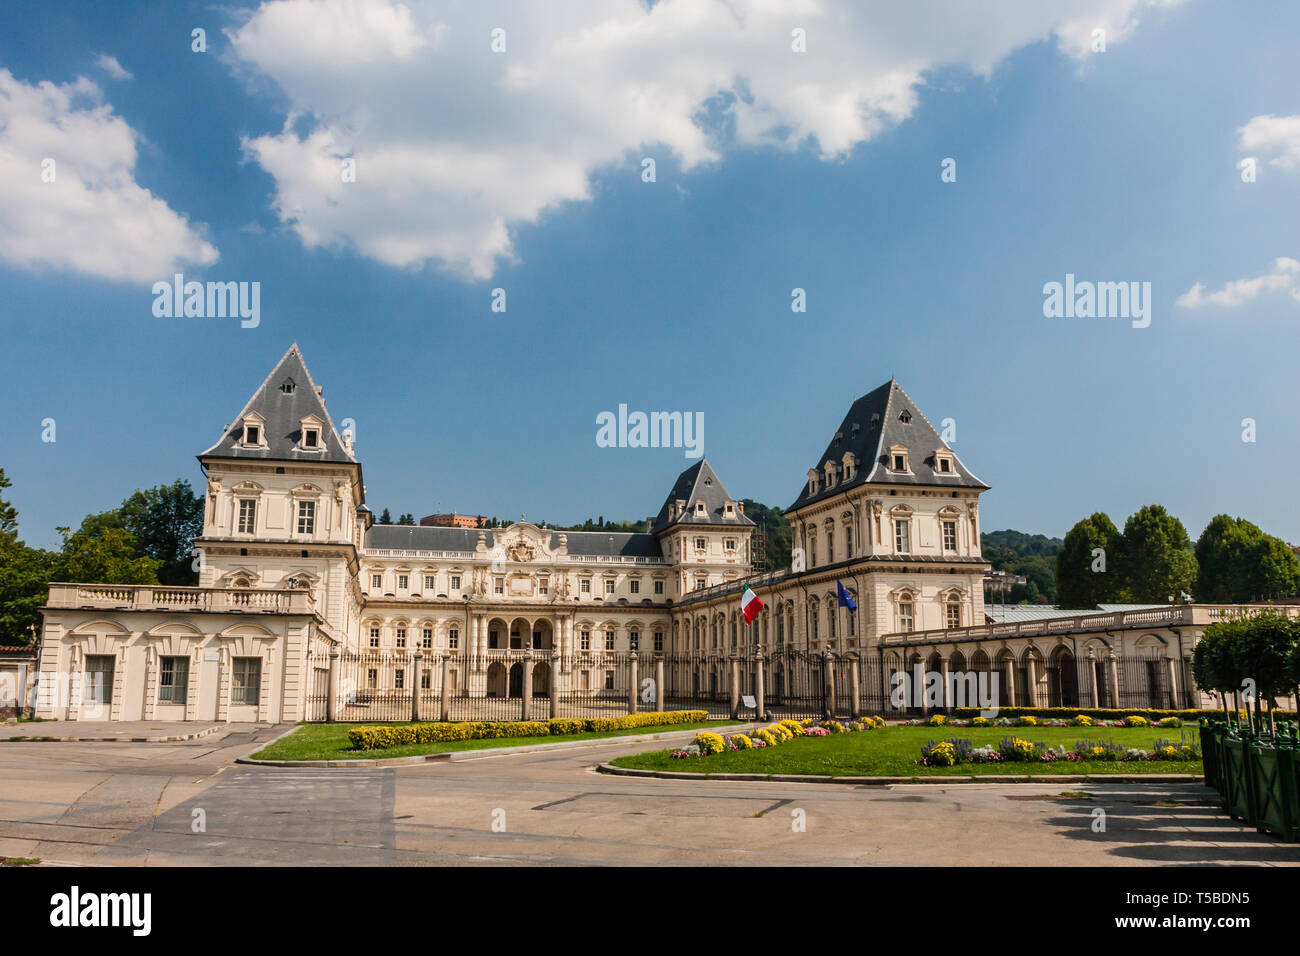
<point x="252" y="430"/>
<point x="943" y="463"/>
<point x="699" y="508"/>
<point x="730" y="510"/>
<point x="287" y="386"/>
<point x="905" y="417"/>
<point x="898" y="459"/>
<point x="812" y="481"/>
<point x="850" y="466"/>
<point x="309" y="433"/>
<point x="830" y="474"/>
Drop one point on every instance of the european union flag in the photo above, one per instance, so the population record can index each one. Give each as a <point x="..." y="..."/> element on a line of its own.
<point x="846" y="599"/>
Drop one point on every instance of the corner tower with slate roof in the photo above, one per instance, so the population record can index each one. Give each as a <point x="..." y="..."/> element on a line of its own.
<point x="890" y="505"/>
<point x="285" y="498"/>
<point x="702" y="530"/>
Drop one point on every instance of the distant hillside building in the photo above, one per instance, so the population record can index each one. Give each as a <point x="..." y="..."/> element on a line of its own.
<point x="453" y="521"/>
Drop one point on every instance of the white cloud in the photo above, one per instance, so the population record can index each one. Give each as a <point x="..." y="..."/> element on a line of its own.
<point x="94" y="217"/>
<point x="455" y="145"/>
<point x="110" y="66"/>
<point x="1284" y="277"/>
<point x="1278" y="135"/>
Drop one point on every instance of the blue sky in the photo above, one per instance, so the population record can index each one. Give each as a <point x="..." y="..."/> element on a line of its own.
<point x="672" y="295"/>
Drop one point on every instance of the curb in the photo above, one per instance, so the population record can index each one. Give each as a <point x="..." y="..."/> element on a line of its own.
<point x="461" y="755"/>
<point x="174" y="738"/>
<point x="895" y="781"/>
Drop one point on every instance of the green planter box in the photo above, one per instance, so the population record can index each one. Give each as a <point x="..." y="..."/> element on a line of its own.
<point x="1210" y="753"/>
<point x="1268" y="768"/>
<point x="1236" y="778"/>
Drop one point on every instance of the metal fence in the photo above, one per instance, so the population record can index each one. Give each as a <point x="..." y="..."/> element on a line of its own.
<point x="395" y="686"/>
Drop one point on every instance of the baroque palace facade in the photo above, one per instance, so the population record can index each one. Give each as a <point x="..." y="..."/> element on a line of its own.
<point x="294" y="570"/>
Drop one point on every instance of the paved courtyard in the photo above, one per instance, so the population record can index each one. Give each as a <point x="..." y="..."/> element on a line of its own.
<point x="188" y="803"/>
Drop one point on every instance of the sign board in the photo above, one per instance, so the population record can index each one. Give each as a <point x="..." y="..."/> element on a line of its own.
<point x="212" y="655"/>
<point x="749" y="701"/>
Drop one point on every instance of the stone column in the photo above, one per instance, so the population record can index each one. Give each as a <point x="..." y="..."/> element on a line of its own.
<point x="555" y="685"/>
<point x="1092" y="678"/>
<point x="332" y="687"/>
<point x="1114" y="680"/>
<point x="828" y="685"/>
<point x="443" y="696"/>
<point x="1173" y="682"/>
<point x="758" y="687"/>
<point x="633" y="684"/>
<point x="417" y="657"/>
<point x="528" y="680"/>
<point x="1033" y="682"/>
<point x="855" y="686"/>
<point x="947" y="684"/>
<point x="735" y="687"/>
<point x="659" y="684"/>
<point x="1011" y="683"/>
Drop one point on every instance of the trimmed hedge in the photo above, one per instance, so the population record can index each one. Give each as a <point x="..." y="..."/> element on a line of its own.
<point x="1107" y="713"/>
<point x="383" y="736"/>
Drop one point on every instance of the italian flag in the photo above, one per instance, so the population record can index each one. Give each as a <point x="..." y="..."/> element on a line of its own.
<point x="750" y="605"/>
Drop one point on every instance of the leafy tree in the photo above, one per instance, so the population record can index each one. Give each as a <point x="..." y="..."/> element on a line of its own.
<point x="1238" y="563"/>
<point x="407" y="518"/>
<point x="1155" y="560"/>
<point x="777" y="536"/>
<point x="164" y="522"/>
<point x="102" y="551"/>
<point x="1077" y="584"/>
<point x="385" y="518"/>
<point x="25" y="574"/>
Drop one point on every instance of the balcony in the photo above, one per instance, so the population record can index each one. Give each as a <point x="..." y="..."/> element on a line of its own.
<point x="155" y="597"/>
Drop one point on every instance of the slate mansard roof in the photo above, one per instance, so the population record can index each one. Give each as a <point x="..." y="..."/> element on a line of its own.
<point x="876" y="422"/>
<point x="698" y="481"/>
<point x="285" y="398"/>
<point x="436" y="538"/>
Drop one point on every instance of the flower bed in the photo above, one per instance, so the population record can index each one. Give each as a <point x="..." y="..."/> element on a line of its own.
<point x="378" y="737"/>
<point x="708" y="743"/>
<point x="954" y="751"/>
<point x="1030" y="720"/>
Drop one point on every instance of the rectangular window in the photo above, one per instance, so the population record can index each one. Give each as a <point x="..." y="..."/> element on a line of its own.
<point x="453" y="638"/>
<point x="374" y="637"/>
<point x="401" y="637"/>
<point x="905" y="617"/>
<point x="426" y="637"/>
<point x="455" y="582"/>
<point x="99" y="679"/>
<point x="246" y="680"/>
<point x="902" y="537"/>
<point x="309" y="438"/>
<point x="659" y="587"/>
<point x="609" y="680"/>
<point x="372" y="678"/>
<point x="954" y="614"/>
<point x="950" y="536"/>
<point x="659" y="640"/>
<point x="635" y="641"/>
<point x="429" y="582"/>
<point x="609" y="640"/>
<point x="900" y="463"/>
<point x="543" y="586"/>
<point x="247" y="515"/>
<point x="376" y="582"/>
<point x="701" y="583"/>
<point x="499" y="586"/>
<point x="403" y="582"/>
<point x="173" y="680"/>
<point x="306" y="517"/>
<point x="830" y="547"/>
<point x="848" y="542"/>
<point x="634" y="586"/>
<point x="426" y="681"/>
<point x="584" y="586"/>
<point x="609" y="587"/>
<point x="700" y="544"/>
<point x="252" y="435"/>
<point x="399" y="679"/>
<point x="585" y="641"/>
<point x="730" y="544"/>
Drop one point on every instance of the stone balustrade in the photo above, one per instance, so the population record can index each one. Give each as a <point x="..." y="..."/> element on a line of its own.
<point x="156" y="597"/>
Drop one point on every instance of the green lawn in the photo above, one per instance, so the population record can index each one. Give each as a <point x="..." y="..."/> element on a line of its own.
<point x="330" y="742"/>
<point x="891" y="752"/>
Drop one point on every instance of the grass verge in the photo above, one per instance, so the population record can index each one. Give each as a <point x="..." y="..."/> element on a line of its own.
<point x="330" y="742"/>
<point x="891" y="752"/>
